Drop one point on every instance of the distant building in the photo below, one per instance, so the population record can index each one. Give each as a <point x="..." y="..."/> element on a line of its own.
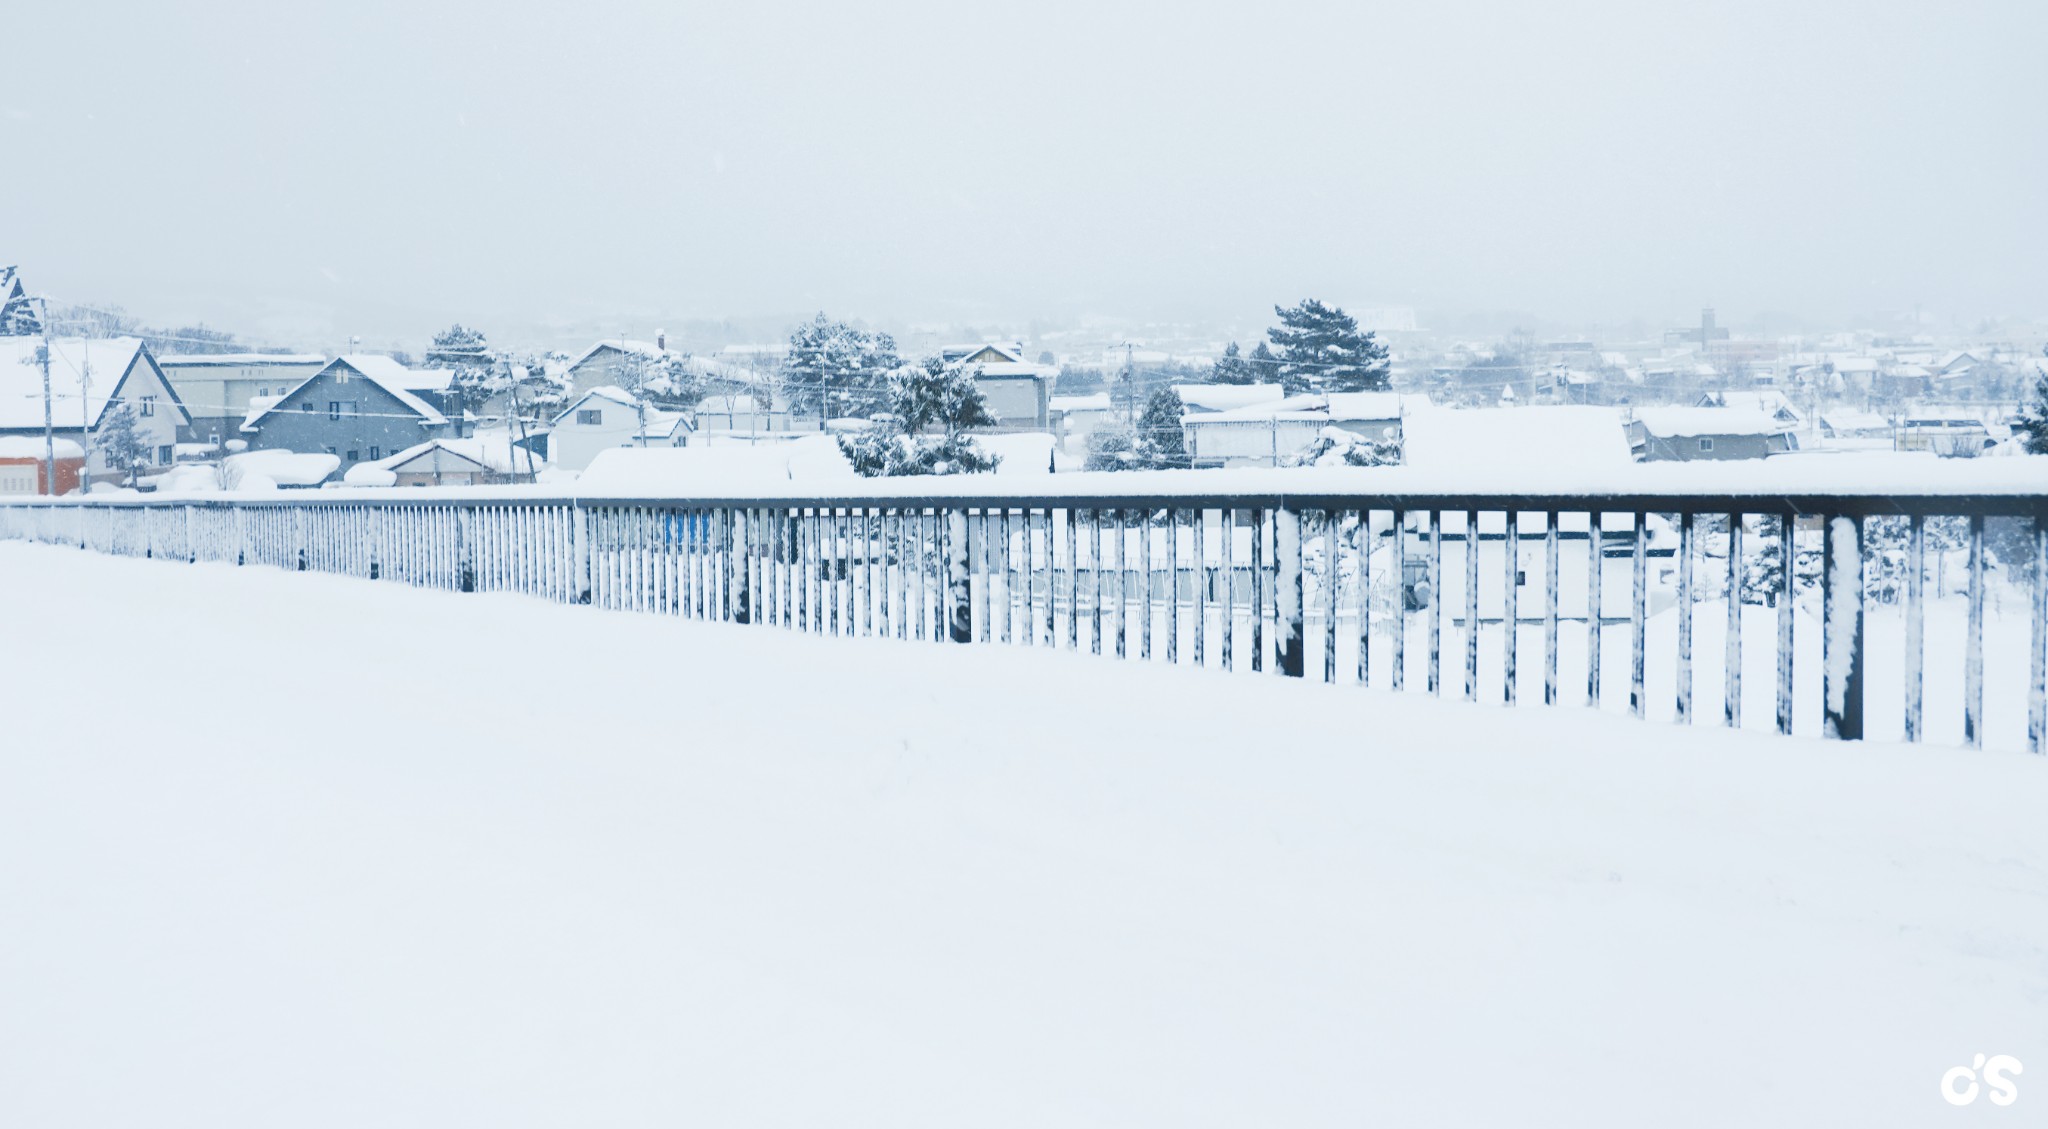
<point x="18" y="317"/>
<point x="1706" y="335"/>
<point x="217" y="388"/>
<point x="1019" y="392"/>
<point x="605" y="418"/>
<point x="356" y="408"/>
<point x="87" y="379"/>
<point x="1694" y="434"/>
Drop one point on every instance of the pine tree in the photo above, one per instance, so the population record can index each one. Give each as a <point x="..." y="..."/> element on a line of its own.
<point x="120" y="441"/>
<point x="1112" y="447"/>
<point x="1322" y="350"/>
<point x="1265" y="367"/>
<point x="2031" y="425"/>
<point x="1161" y="443"/>
<point x="923" y="398"/>
<point x="1232" y="368"/>
<point x="834" y="369"/>
<point x="475" y="375"/>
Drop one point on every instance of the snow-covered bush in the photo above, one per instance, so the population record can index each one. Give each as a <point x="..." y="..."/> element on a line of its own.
<point x="1334" y="446"/>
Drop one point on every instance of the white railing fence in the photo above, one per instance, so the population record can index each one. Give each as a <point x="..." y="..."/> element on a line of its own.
<point x="1352" y="585"/>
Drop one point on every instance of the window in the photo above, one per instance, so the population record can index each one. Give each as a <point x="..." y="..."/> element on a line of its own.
<point x="148" y="406"/>
<point x="352" y="455"/>
<point x="307" y="406"/>
<point x="590" y="417"/>
<point x="1706" y="444"/>
<point x="334" y="409"/>
<point x="376" y="453"/>
<point x="263" y="391"/>
<point x="165" y="453"/>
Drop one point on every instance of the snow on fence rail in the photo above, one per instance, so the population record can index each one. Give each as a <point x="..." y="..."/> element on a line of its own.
<point x="1249" y="579"/>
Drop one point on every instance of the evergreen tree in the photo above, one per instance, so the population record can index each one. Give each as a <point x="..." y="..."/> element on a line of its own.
<point x="922" y="399"/>
<point x="1232" y="368"/>
<point x="1161" y="443"/>
<point x="1265" y="367"/>
<point x="120" y="441"/>
<point x="1112" y="447"/>
<point x="476" y="376"/>
<point x="834" y="369"/>
<point x="1334" y="446"/>
<point x="1321" y="350"/>
<point x="2031" y="425"/>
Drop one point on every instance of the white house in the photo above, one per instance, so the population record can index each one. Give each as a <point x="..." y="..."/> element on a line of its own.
<point x="607" y="417"/>
<point x="1267" y="432"/>
<point x="1018" y="391"/>
<point x="87" y="378"/>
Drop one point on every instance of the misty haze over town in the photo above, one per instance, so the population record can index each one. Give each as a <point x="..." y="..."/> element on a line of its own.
<point x="924" y="564"/>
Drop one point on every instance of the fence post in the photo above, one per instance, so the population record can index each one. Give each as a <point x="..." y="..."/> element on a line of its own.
<point x="1287" y="548"/>
<point x="739" y="567"/>
<point x="579" y="535"/>
<point x="2037" y="692"/>
<point x="959" y="584"/>
<point x="465" y="550"/>
<point x="1842" y="629"/>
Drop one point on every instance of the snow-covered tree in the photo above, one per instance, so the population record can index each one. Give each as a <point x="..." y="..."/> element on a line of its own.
<point x="1334" y="446"/>
<point x="1161" y="443"/>
<point x="2031" y="425"/>
<point x="1265" y="367"/>
<point x="1112" y="447"/>
<point x="1232" y="368"/>
<point x="476" y="377"/>
<point x="931" y="408"/>
<point x="120" y="441"/>
<point x="1321" y="349"/>
<point x="834" y="369"/>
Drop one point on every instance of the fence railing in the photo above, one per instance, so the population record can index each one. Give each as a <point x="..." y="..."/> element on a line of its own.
<point x="1355" y="586"/>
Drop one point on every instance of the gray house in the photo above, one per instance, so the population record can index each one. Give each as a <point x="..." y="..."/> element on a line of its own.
<point x="356" y="408"/>
<point x="1689" y="434"/>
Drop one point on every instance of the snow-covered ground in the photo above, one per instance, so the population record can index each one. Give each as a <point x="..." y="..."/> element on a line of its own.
<point x="290" y="849"/>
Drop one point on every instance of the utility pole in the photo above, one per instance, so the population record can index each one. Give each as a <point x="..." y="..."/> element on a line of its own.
<point x="49" y="420"/>
<point x="1130" y="387"/>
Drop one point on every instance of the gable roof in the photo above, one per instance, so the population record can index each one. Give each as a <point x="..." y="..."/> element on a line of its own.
<point x="107" y="360"/>
<point x="18" y="316"/>
<point x="1688" y="422"/>
<point x="388" y="375"/>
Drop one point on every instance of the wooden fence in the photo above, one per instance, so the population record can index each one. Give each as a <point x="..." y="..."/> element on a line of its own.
<point x="1265" y="582"/>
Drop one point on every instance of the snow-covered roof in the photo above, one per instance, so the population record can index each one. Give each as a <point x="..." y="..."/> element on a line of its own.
<point x="1372" y="405"/>
<point x="659" y="421"/>
<point x="382" y="371"/>
<point x="1845" y="419"/>
<point x="1708" y="421"/>
<point x="1758" y="399"/>
<point x="1225" y="397"/>
<point x="1096" y="402"/>
<point x="629" y="470"/>
<point x="32" y="447"/>
<point x="72" y="359"/>
<point x="1458" y="439"/>
<point x="241" y="360"/>
<point x="286" y="468"/>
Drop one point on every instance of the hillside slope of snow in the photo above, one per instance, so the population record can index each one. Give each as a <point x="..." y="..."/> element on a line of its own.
<point x="289" y="849"/>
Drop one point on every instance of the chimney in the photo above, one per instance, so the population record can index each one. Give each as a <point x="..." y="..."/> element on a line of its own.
<point x="661" y="340"/>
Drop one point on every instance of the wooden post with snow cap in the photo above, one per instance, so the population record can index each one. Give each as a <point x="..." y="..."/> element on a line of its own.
<point x="740" y="564"/>
<point x="1842" y="628"/>
<point x="1788" y="590"/>
<point x="1287" y="540"/>
<point x="959" y="583"/>
<point x="465" y="549"/>
<point x="2037" y="688"/>
<point x="579" y="555"/>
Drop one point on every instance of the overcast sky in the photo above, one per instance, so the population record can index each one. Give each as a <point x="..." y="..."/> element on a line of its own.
<point x="386" y="168"/>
